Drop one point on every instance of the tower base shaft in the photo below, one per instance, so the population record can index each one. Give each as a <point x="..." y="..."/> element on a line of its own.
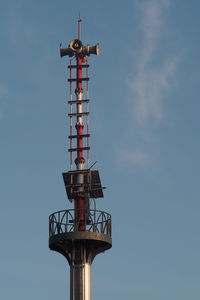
<point x="80" y="281"/>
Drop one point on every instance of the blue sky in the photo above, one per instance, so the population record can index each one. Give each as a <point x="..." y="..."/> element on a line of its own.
<point x="145" y="136"/>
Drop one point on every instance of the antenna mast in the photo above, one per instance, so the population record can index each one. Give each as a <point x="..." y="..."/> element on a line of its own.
<point x="80" y="233"/>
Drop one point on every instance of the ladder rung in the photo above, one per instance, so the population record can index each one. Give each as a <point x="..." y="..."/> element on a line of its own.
<point x="78" y="101"/>
<point x="78" y="149"/>
<point x="78" y="67"/>
<point x="79" y="114"/>
<point x="79" y="136"/>
<point x="79" y="79"/>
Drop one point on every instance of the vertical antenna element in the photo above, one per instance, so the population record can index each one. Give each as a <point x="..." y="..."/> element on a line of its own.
<point x="80" y="233"/>
<point x="70" y="124"/>
<point x="79" y="27"/>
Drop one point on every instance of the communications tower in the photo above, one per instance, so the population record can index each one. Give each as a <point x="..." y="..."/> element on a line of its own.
<point x="80" y="233"/>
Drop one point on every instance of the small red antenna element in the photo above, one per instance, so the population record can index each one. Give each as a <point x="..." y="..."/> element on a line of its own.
<point x="80" y="233"/>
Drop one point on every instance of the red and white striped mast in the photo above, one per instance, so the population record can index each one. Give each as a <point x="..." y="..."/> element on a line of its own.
<point x="80" y="160"/>
<point x="80" y="233"/>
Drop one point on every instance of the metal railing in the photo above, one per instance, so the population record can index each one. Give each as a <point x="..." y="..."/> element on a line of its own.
<point x="65" y="221"/>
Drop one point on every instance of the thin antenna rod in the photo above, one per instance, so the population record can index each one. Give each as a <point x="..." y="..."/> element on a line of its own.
<point x="79" y="27"/>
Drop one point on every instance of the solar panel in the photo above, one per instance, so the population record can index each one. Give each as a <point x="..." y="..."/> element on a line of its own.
<point x="91" y="186"/>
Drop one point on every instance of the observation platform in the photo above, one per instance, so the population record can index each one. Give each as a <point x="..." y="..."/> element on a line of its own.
<point x="64" y="235"/>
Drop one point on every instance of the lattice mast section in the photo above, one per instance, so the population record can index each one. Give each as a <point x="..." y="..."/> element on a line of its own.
<point x="81" y="115"/>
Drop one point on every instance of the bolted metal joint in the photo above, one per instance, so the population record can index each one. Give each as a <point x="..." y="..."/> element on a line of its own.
<point x="78" y="91"/>
<point x="79" y="160"/>
<point x="79" y="126"/>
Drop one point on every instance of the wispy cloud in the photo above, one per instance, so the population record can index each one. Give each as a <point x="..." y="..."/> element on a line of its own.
<point x="137" y="158"/>
<point x="149" y="88"/>
<point x="151" y="78"/>
<point x="150" y="82"/>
